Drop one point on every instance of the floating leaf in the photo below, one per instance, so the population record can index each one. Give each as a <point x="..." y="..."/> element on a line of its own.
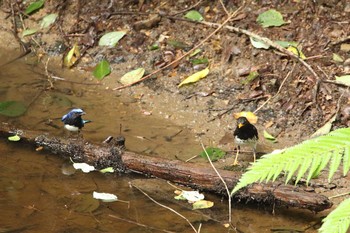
<point x="14" y="138"/>
<point x="297" y="52"/>
<point x="12" y="108"/>
<point x="270" y="18"/>
<point x="105" y="197"/>
<point x="269" y="136"/>
<point x="111" y="38"/>
<point x="132" y="76"/>
<point x="29" y="32"/>
<point x="345" y="80"/>
<point x="107" y="170"/>
<point x="194" y="15"/>
<point x="251" y="117"/>
<point x="326" y="128"/>
<point x="34" y="6"/>
<point x="252" y="75"/>
<point x="286" y="44"/>
<point x="72" y="56"/>
<point x="195" y="77"/>
<point x="202" y="204"/>
<point x="84" y="203"/>
<point x="86" y="168"/>
<point x="48" y="20"/>
<point x="213" y="153"/>
<point x="191" y="196"/>
<point x="258" y="43"/>
<point x="102" y="70"/>
<point x="200" y="61"/>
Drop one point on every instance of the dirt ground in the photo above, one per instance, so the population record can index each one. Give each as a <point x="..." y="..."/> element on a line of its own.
<point x="301" y="103"/>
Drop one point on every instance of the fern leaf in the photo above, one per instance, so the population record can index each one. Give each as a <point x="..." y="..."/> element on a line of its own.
<point x="338" y="220"/>
<point x="303" y="168"/>
<point x="312" y="155"/>
<point x="314" y="166"/>
<point x="346" y="160"/>
<point x="335" y="162"/>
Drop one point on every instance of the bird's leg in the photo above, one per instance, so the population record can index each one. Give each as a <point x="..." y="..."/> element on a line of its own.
<point x="237" y="152"/>
<point x="254" y="153"/>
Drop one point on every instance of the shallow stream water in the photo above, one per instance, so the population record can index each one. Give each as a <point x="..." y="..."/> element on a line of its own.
<point x="35" y="195"/>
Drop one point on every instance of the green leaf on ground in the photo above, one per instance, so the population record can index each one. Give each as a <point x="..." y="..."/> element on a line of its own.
<point x="286" y="44"/>
<point x="270" y="18"/>
<point x="102" y="70"/>
<point x="178" y="44"/>
<point x="258" y="43"/>
<point x="337" y="58"/>
<point x="213" y="153"/>
<point x="154" y="46"/>
<point x="252" y="75"/>
<point x="345" y="80"/>
<point x="195" y="52"/>
<point x="48" y="20"/>
<point x="200" y="61"/>
<point x="34" y="6"/>
<point x="12" y="108"/>
<point x="195" y="77"/>
<point x="111" y="38"/>
<point x="269" y="136"/>
<point x="14" y="138"/>
<point x="194" y="15"/>
<point x="29" y="32"/>
<point x="132" y="76"/>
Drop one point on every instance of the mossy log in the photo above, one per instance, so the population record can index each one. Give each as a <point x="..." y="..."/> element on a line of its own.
<point x="197" y="176"/>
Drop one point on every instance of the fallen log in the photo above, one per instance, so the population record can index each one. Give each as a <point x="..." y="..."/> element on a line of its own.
<point x="198" y="176"/>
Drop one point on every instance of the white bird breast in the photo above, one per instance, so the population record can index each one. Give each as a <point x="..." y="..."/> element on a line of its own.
<point x="71" y="128"/>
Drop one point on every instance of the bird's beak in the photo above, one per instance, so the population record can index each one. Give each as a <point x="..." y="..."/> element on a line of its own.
<point x="83" y="113"/>
<point x="240" y="125"/>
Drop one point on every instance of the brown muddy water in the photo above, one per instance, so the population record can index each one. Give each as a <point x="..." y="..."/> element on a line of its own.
<point x="36" y="195"/>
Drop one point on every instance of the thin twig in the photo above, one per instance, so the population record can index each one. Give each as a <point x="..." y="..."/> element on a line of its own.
<point x="139" y="224"/>
<point x="222" y="180"/>
<point x="166" y="207"/>
<point x="188" y="8"/>
<point x="266" y="41"/>
<point x="339" y="195"/>
<point x="223" y="6"/>
<point x="187" y="53"/>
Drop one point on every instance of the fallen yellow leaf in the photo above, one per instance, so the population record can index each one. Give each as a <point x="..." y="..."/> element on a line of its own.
<point x="195" y="77"/>
<point x="297" y="52"/>
<point x="72" y="56"/>
<point x="251" y="117"/>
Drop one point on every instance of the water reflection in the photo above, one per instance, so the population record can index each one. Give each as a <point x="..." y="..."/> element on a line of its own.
<point x="35" y="196"/>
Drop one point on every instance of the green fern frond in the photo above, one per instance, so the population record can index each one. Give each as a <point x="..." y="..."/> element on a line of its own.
<point x="338" y="220"/>
<point x="310" y="156"/>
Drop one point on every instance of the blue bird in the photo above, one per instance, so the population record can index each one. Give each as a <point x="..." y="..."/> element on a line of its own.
<point x="73" y="121"/>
